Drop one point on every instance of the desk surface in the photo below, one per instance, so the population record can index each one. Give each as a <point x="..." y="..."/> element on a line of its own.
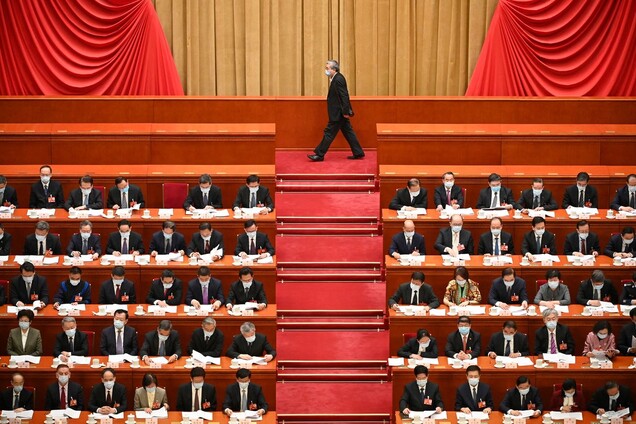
<point x="495" y="417"/>
<point x="173" y="417"/>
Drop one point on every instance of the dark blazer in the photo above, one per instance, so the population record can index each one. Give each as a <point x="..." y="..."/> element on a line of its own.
<point x="413" y="347"/>
<point x="545" y="200"/>
<point x="158" y="243"/>
<point x="456" y="194"/>
<point x="563" y="336"/>
<point x="586" y="292"/>
<point x="628" y="294"/>
<point x="3" y="296"/>
<point x="625" y="337"/>
<point x="486" y="240"/>
<point x="403" y="198"/>
<point x="464" y="397"/>
<point x="512" y="400"/>
<point x="108" y="341"/>
<point x="255" y="397"/>
<point x="571" y="197"/>
<point x="621" y="198"/>
<point x="134" y="194"/>
<point x="578" y="399"/>
<point x="412" y="399"/>
<point x="31" y="244"/>
<point x="262" y="242"/>
<point x="600" y="399"/>
<point x="259" y="347"/>
<point x="197" y="244"/>
<point x="398" y="244"/>
<point x="572" y="244"/>
<point x="497" y="345"/>
<point x="208" y="397"/>
<point x="499" y="292"/>
<point x="74" y="393"/>
<point x="262" y="198"/>
<point x="256" y="293"/>
<point x="39" y="290"/>
<point x="75" y="244"/>
<point x="25" y="399"/>
<point x="615" y="244"/>
<point x="529" y="243"/>
<point x="5" y="244"/>
<point x="505" y="197"/>
<point x="173" y="295"/>
<point x="107" y="293"/>
<point x="454" y="344"/>
<point x="68" y="293"/>
<point x="215" y="291"/>
<point x="80" y="344"/>
<point x="445" y="239"/>
<point x="135" y="243"/>
<point x="10" y="197"/>
<point x="338" y="103"/>
<point x="404" y="295"/>
<point x="98" y="397"/>
<point x="76" y="198"/>
<point x="212" y="347"/>
<point x="195" y="198"/>
<point x="38" y="198"/>
<point x="151" y="344"/>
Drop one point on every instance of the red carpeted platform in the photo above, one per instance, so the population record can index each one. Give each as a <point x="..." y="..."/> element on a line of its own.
<point x="327" y="207"/>
<point x="332" y="345"/>
<point x="329" y="250"/>
<point x="342" y="296"/>
<point x="295" y="162"/>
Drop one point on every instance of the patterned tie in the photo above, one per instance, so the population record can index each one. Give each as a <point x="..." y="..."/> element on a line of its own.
<point x="535" y="204"/>
<point x="464" y="343"/>
<point x="124" y="246"/>
<point x="16" y="401"/>
<point x="495" y="200"/>
<point x="196" y="400"/>
<point x="253" y="200"/>
<point x="581" y="198"/>
<point x="46" y="191"/>
<point x="583" y="247"/>
<point x="252" y="247"/>
<point x="206" y="299"/>
<point x="553" y="347"/>
<point x="409" y="248"/>
<point x="124" y="200"/>
<point x="448" y="197"/>
<point x="496" y="246"/>
<point x="206" y="249"/>
<point x="84" y="246"/>
<point x="63" y="398"/>
<point x="119" y="350"/>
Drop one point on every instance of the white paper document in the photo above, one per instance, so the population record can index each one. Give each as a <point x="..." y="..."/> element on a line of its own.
<point x="122" y="358"/>
<point x="609" y="307"/>
<point x="475" y="310"/>
<point x="545" y="257"/>
<point x="584" y="258"/>
<point x="559" y="357"/>
<point x="522" y="361"/>
<point x="560" y="416"/>
<point x="518" y="311"/>
<point x="427" y="361"/>
<point x="206" y="308"/>
<point x="532" y="213"/>
<point x="25" y="415"/>
<point x="169" y="309"/>
<point x="110" y="309"/>
<point x="159" y="360"/>
<point x="420" y="414"/>
<point x="81" y="360"/>
<point x="524" y="414"/>
<point x="197" y="356"/>
<point x="157" y="413"/>
<point x="68" y="412"/>
<point x="49" y="212"/>
<point x="165" y="211"/>
<point x="197" y="414"/>
<point x="252" y="415"/>
<point x="474" y="414"/>
<point x="25" y="358"/>
<point x="99" y="416"/>
<point x="4" y="258"/>
<point x="413" y="258"/>
<point x="461" y="211"/>
<point x="396" y="362"/>
<point x="20" y="259"/>
<point x="409" y="309"/>
<point x="460" y="257"/>
<point x="572" y="210"/>
<point x="15" y="309"/>
<point x="71" y="307"/>
<point x="564" y="309"/>
<point x="496" y="212"/>
<point x="617" y="414"/>
<point x="121" y="257"/>
<point x="173" y="256"/>
<point x="142" y="258"/>
<point x="437" y="312"/>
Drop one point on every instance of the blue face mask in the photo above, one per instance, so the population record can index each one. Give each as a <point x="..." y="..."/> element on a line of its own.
<point x="464" y="330"/>
<point x="495" y="189"/>
<point x="125" y="190"/>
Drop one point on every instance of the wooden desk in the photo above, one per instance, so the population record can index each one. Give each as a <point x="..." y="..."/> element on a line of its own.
<point x="173" y="416"/>
<point x="495" y="418"/>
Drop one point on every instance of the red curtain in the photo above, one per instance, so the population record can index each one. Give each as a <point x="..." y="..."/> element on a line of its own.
<point x="84" y="47"/>
<point x="558" y="48"/>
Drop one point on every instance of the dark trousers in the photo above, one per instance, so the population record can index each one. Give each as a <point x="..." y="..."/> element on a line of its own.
<point x="331" y="130"/>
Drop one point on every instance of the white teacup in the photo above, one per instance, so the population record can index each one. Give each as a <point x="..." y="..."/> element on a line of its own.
<point x="617" y="260"/>
<point x="452" y="309"/>
<point x="499" y="362"/>
<point x="587" y="310"/>
<point x="487" y="260"/>
<point x="139" y="309"/>
<point x="532" y="310"/>
<point x="236" y="309"/>
<point x="95" y="362"/>
<point x="135" y="362"/>
<point x="12" y="363"/>
<point x="56" y="362"/>
<point x="525" y="260"/>
<point x="481" y="214"/>
<point x="147" y="213"/>
<point x="594" y="363"/>
<point x="102" y="309"/>
<point x="67" y="260"/>
<point x="539" y="362"/>
<point x="411" y="361"/>
<point x="457" y="363"/>
<point x="110" y="212"/>
<point x="193" y="260"/>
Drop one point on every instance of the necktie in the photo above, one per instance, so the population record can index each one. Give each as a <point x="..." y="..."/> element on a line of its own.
<point x="109" y="398"/>
<point x="632" y="202"/>
<point x="124" y="200"/>
<point x="1" y="197"/>
<point x="414" y="299"/>
<point x="206" y="249"/>
<point x="475" y="395"/>
<point x="253" y="200"/>
<point x="41" y="249"/>
<point x="28" y="289"/>
<point x="85" y="200"/>
<point x="496" y="246"/>
<point x="162" y="348"/>
<point x="124" y="246"/>
<point x="168" y="247"/>
<point x="46" y="191"/>
<point x="119" y="349"/>
<point x="581" y="198"/>
<point x="207" y="339"/>
<point x="63" y="398"/>
<point x="409" y="248"/>
<point x="247" y="294"/>
<point x="523" y="401"/>
<point x="583" y="247"/>
<point x="455" y="239"/>
<point x="507" y="349"/>
<point x="165" y="294"/>
<point x="495" y="200"/>
<point x="535" y="204"/>
<point x="71" y="345"/>
<point x="612" y="404"/>
<point x="243" y="400"/>
<point x="597" y="294"/>
<point x="508" y="292"/>
<point x="84" y="246"/>
<point x="205" y="199"/>
<point x="539" y="245"/>
<point x="553" y="347"/>
<point x="624" y="248"/>
<point x="252" y="247"/>
<point x="204" y="292"/>
<point x="196" y="406"/>
<point x="16" y="401"/>
<point x="448" y="197"/>
<point x="464" y="342"/>
<point x="117" y="291"/>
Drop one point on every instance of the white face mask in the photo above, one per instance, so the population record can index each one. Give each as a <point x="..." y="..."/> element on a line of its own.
<point x="631" y="188"/>
<point x="243" y="386"/>
<point x="614" y="397"/>
<point x="205" y="190"/>
<point x="86" y="191"/>
<point x="162" y="338"/>
<point x="108" y="385"/>
<point x="539" y="232"/>
<point x="551" y="325"/>
<point x="327" y="73"/>
<point x="553" y="284"/>
<point x="45" y="179"/>
<point x="423" y="346"/>
<point x="63" y="379"/>
<point x="583" y="236"/>
<point x="449" y="184"/>
<point x="601" y="336"/>
<point x="414" y="193"/>
<point x="208" y="334"/>
<point x="421" y="383"/>
<point x="167" y="236"/>
<point x="628" y="241"/>
<point x="206" y="238"/>
<point x="119" y="324"/>
<point x="74" y="282"/>
<point x="24" y="324"/>
<point x="536" y="192"/>
<point x="70" y="333"/>
<point x="167" y="286"/>
<point x="415" y="287"/>
<point x="495" y="231"/>
<point x="150" y="389"/>
<point x="524" y="391"/>
<point x="40" y="238"/>
<point x="118" y="281"/>
<point x="569" y="394"/>
<point x="409" y="233"/>
<point x="456" y="228"/>
<point x="253" y="190"/>
<point x="460" y="283"/>
<point x="85" y="236"/>
<point x="508" y="337"/>
<point x="28" y="279"/>
<point x="509" y="283"/>
<point x="197" y="385"/>
<point x="251" y="234"/>
<point x="246" y="286"/>
<point x="250" y="339"/>
<point x="473" y="381"/>
<point x="124" y="235"/>
<point x="204" y="283"/>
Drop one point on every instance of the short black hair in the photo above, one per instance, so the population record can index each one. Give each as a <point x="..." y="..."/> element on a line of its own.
<point x="420" y="369"/>
<point x="121" y="311"/>
<point x="537" y="220"/>
<point x="423" y="332"/>
<point x="203" y="270"/>
<point x="27" y="266"/>
<point x="205" y="178"/>
<point x="246" y="270"/>
<point x="148" y="379"/>
<point x="463" y="319"/>
<point x="507" y="271"/>
<point x="243" y="373"/>
<point x="75" y="270"/>
<point x="522" y="379"/>
<point x="197" y="372"/>
<point x="124" y="222"/>
<point x="611" y="385"/>
<point x="627" y="230"/>
<point x="168" y="225"/>
<point x="86" y="179"/>
<point x="582" y="223"/>
<point x="166" y="273"/>
<point x="253" y="178"/>
<point x="551" y="273"/>
<point x="583" y="176"/>
<point x="26" y="313"/>
<point x="494" y="177"/>
<point x="118" y="180"/>
<point x="418" y="276"/>
<point x="462" y="271"/>
<point x="118" y="271"/>
<point x="473" y="368"/>
<point x="105" y="370"/>
<point x="413" y="182"/>
<point x="602" y="325"/>
<point x="249" y="223"/>
<point x="510" y="324"/>
<point x="205" y="226"/>
<point x="568" y="384"/>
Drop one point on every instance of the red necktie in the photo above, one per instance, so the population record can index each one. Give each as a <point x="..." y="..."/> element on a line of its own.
<point x="63" y="398"/>
<point x="207" y="247"/>
<point x="117" y="292"/>
<point x="448" y="197"/>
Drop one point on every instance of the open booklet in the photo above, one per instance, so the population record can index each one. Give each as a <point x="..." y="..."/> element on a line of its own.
<point x="197" y="414"/>
<point x="25" y="415"/>
<point x="68" y="412"/>
<point x="252" y="415"/>
<point x="559" y="357"/>
<point x="560" y="416"/>
<point x="25" y="358"/>
<point x="524" y="414"/>
<point x="428" y="414"/>
<point x="119" y="416"/>
<point x="199" y="357"/>
<point x="157" y="413"/>
<point x="122" y="358"/>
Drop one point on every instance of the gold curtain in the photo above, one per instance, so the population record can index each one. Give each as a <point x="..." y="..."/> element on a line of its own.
<point x="279" y="47"/>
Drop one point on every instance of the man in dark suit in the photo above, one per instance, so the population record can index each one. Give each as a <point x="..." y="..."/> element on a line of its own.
<point x="28" y="287"/>
<point x="537" y="198"/>
<point x="245" y="290"/>
<point x="496" y="241"/>
<point x="553" y="337"/>
<point x="596" y="289"/>
<point x="496" y="195"/>
<point x="5" y="241"/>
<point x="454" y="240"/>
<point x="421" y="394"/>
<point x="539" y="240"/>
<point x="119" y="338"/>
<point x="448" y="194"/>
<point x="473" y="395"/>
<point x="8" y="195"/>
<point x="411" y="197"/>
<point x="205" y="241"/>
<point x="581" y="194"/>
<point x="407" y="242"/>
<point x="204" y="196"/>
<point x="253" y="195"/>
<point x="73" y="290"/>
<point x="70" y="342"/>
<point x="250" y="343"/>
<point x="423" y="345"/>
<point x="253" y="242"/>
<point x="611" y="397"/>
<point x="416" y="292"/>
<point x="42" y="242"/>
<point x="627" y="337"/>
<point x="244" y="395"/>
<point x="207" y="340"/>
<point x="162" y="342"/>
<point x="204" y="284"/>
<point x="64" y="393"/>
<point x="85" y="242"/>
<point x="16" y="398"/>
<point x="339" y="110"/>
<point x="117" y="290"/>
<point x="622" y="245"/>
<point x="46" y="193"/>
<point x="522" y="397"/>
<point x="508" y="342"/>
<point x="168" y="240"/>
<point x="508" y="289"/>
<point x="125" y="241"/>
<point x="628" y="294"/>
<point x="464" y="343"/>
<point x="85" y="197"/>
<point x="582" y="241"/>
<point x="108" y="397"/>
<point x="124" y="195"/>
<point x="196" y="395"/>
<point x="625" y="199"/>
<point x="166" y="290"/>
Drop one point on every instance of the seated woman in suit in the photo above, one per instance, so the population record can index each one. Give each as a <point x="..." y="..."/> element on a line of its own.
<point x="568" y="398"/>
<point x="25" y="340"/>
<point x="600" y="340"/>
<point x="421" y="346"/>
<point x="461" y="290"/>
<point x="150" y="396"/>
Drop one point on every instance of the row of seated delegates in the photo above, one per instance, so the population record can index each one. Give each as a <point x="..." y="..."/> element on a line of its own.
<point x="208" y="196"/>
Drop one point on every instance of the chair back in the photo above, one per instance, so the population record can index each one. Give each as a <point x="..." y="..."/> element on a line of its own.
<point x="90" y="335"/>
<point x="174" y="194"/>
<point x="5" y="285"/>
<point x="408" y="336"/>
<point x="102" y="189"/>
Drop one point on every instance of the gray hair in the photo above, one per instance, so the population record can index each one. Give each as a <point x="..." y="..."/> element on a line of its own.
<point x="42" y="225"/>
<point x="85" y="223"/>
<point x="549" y="311"/>
<point x="333" y="64"/>
<point x="165" y="324"/>
<point x="247" y="327"/>
<point x="68" y="319"/>
<point x="598" y="276"/>
<point x="209" y="320"/>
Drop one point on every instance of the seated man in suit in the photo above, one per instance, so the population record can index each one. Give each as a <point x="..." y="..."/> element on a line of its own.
<point x="581" y="194"/>
<point x="73" y="290"/>
<point x="628" y="295"/>
<point x="416" y="292"/>
<point x="407" y="242"/>
<point x="596" y="289"/>
<point x="197" y="395"/>
<point x="207" y="340"/>
<point x="117" y="290"/>
<point x="168" y="240"/>
<point x="244" y="395"/>
<point x="42" y="242"/>
<point x="162" y="342"/>
<point x="495" y="195"/>
<point x="205" y="241"/>
<point x="611" y="397"/>
<point x="108" y="397"/>
<point x="150" y="396"/>
<point x="553" y="337"/>
<point x="582" y="241"/>
<point x="204" y="290"/>
<point x="64" y="393"/>
<point x="554" y="292"/>
<point x="454" y="240"/>
<point x="522" y="397"/>
<point x="627" y="337"/>
<point x="536" y="198"/>
<point x="119" y="338"/>
<point x="464" y="343"/>
<point x="8" y="195"/>
<point x="46" y="193"/>
<point x="539" y="240"/>
<point x="70" y="342"/>
<point x="622" y="245"/>
<point x="409" y="198"/>
<point x="473" y="395"/>
<point x="508" y="289"/>
<point x="423" y="345"/>
<point x="28" y="288"/>
<point x="125" y="241"/>
<point x="85" y="197"/>
<point x="16" y="398"/>
<point x="250" y="343"/>
<point x="625" y="199"/>
<point x="253" y="242"/>
<point x="124" y="195"/>
<point x="448" y="194"/>
<point x="253" y="195"/>
<point x="85" y="242"/>
<point x="508" y="342"/>
<point x="421" y="395"/>
<point x="246" y="290"/>
<point x="25" y="340"/>
<point x="204" y="195"/>
<point x="5" y="241"/>
<point x="166" y="290"/>
<point x="496" y="242"/>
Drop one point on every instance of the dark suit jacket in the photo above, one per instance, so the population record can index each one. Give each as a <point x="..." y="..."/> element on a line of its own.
<point x="486" y="240"/>
<point x="5" y="244"/>
<point x="262" y="198"/>
<point x="261" y="242"/>
<point x="398" y="244"/>
<point x="403" y="198"/>
<point x="545" y="200"/>
<point x="98" y="397"/>
<point x="172" y="297"/>
<point x="413" y="347"/>
<point x="557" y="401"/>
<point x="615" y="244"/>
<point x="75" y="244"/>
<point x="151" y="344"/>
<point x="108" y="341"/>
<point x="505" y="197"/>
<point x="412" y="399"/>
<point x="158" y="243"/>
<point x="628" y="294"/>
<point x="456" y="194"/>
<point x="18" y="292"/>
<point x="454" y="344"/>
<point x="499" y="292"/>
<point x="10" y="197"/>
<point x="621" y="198"/>
<point x="80" y="344"/>
<point x="254" y="397"/>
<point x="197" y="244"/>
<point x="586" y="292"/>
<point x="627" y="334"/>
<point x="39" y="200"/>
<point x="259" y="347"/>
<point x="134" y="193"/>
<point x="563" y="336"/>
<point x="338" y="103"/>
<point x="404" y="295"/>
<point x="31" y="244"/>
<point x="572" y="244"/>
<point x="208" y="396"/>
<point x="25" y="399"/>
<point x="464" y="397"/>
<point x="195" y="198"/>
<point x="215" y="291"/>
<point x="68" y="293"/>
<point x="76" y="198"/>
<point x="445" y="239"/>
<point x="600" y="399"/>
<point x="571" y="196"/>
<point x="3" y="296"/>
<point x="212" y="347"/>
<point x="530" y="243"/>
<point x="74" y="392"/>
<point x="107" y="293"/>
<point x="256" y="293"/>
<point x="512" y="400"/>
<point x="497" y="345"/>
<point x="135" y="243"/>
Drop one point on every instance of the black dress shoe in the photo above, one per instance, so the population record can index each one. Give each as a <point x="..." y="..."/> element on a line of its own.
<point x="355" y="157"/>
<point x="316" y="158"/>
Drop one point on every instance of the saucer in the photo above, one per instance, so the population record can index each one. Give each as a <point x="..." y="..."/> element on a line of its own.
<point x="409" y="314"/>
<point x="541" y="366"/>
<point x="522" y="264"/>
<point x="100" y="314"/>
<point x="447" y="264"/>
<point x="15" y="366"/>
<point x="140" y="313"/>
<point x="610" y="217"/>
<point x="452" y="314"/>
<point x="234" y="367"/>
<point x="487" y="264"/>
<point x="577" y="263"/>
<point x="52" y="366"/>
<point x="500" y="366"/>
<point x="618" y="264"/>
<point x="62" y="314"/>
<point x="104" y="263"/>
<point x="135" y="366"/>
<point x="96" y="366"/>
<point x="186" y="366"/>
<point x="589" y="314"/>
<point x="517" y="217"/>
<point x="456" y="367"/>
<point x="145" y="217"/>
<point x="595" y="367"/>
